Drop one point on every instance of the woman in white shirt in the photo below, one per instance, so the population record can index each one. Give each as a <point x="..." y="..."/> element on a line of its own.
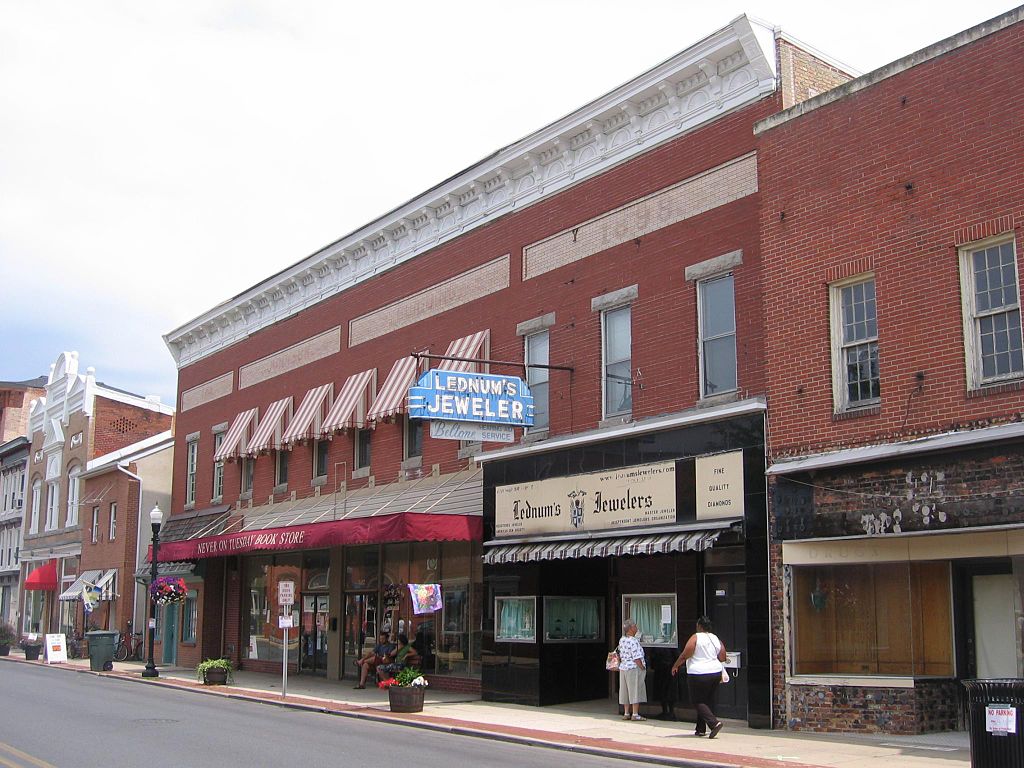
<point x="632" y="672"/>
<point x="703" y="654"/>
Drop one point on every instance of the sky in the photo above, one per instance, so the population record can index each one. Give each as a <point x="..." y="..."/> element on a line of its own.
<point x="159" y="158"/>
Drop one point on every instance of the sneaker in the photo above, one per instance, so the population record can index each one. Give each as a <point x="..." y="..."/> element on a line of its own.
<point x="638" y="717"/>
<point x="715" y="729"/>
<point x="698" y="735"/>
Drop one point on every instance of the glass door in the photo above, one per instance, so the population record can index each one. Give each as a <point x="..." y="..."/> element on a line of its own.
<point x="360" y="629"/>
<point x="169" y="633"/>
<point x="313" y="635"/>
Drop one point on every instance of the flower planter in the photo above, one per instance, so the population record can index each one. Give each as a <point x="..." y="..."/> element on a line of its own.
<point x="32" y="652"/>
<point x="215" y="677"/>
<point x="408" y="699"/>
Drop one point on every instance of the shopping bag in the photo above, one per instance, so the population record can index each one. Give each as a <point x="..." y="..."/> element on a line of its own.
<point x="612" y="662"/>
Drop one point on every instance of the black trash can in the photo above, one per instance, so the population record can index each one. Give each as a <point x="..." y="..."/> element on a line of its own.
<point x="101" y="650"/>
<point x="995" y="712"/>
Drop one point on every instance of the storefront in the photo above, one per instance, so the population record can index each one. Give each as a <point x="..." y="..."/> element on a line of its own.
<point x="902" y="568"/>
<point x="660" y="521"/>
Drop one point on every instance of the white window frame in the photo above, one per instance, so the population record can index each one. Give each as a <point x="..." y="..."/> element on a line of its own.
<point x="52" y="505"/>
<point x="95" y="525"/>
<point x="281" y="457"/>
<point x="840" y="386"/>
<point x="37" y="502"/>
<point x="539" y="376"/>
<point x="191" y="467"/>
<point x="972" y="351"/>
<point x="605" y="362"/>
<point x="113" y="521"/>
<point x="701" y="340"/>
<point x="218" y="467"/>
<point x="74" y="488"/>
<point x="190" y="616"/>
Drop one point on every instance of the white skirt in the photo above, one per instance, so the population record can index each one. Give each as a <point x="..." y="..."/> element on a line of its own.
<point x="633" y="686"/>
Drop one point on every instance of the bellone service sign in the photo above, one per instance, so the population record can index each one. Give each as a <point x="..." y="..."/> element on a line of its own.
<point x="478" y="397"/>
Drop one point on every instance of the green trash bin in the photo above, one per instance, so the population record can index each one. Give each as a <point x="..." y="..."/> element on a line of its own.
<point x="101" y="650"/>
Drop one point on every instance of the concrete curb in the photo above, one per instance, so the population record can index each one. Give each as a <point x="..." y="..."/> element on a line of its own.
<point x="622" y="751"/>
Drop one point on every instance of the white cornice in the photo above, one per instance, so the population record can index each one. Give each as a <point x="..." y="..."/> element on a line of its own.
<point x="722" y="72"/>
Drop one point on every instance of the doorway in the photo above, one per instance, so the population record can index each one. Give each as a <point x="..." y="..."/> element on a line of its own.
<point x="996" y="603"/>
<point x="360" y="628"/>
<point x="726" y="601"/>
<point x="313" y="635"/>
<point x="169" y="634"/>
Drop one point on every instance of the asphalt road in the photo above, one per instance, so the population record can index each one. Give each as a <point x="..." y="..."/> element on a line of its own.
<point x="51" y="717"/>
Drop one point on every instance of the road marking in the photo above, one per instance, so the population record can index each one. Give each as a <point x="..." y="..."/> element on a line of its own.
<point x="24" y="757"/>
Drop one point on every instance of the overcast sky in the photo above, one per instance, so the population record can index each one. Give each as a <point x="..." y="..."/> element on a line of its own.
<point x="158" y="158"/>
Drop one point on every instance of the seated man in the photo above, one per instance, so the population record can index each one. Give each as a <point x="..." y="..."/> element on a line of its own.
<point x="380" y="654"/>
<point x="404" y="656"/>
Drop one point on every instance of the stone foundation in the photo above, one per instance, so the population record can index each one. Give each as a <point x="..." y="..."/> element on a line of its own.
<point x="931" y="705"/>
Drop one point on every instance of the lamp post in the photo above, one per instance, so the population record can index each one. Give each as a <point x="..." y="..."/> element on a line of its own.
<point x="155" y="518"/>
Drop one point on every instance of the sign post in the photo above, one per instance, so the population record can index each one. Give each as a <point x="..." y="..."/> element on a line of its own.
<point x="286" y="599"/>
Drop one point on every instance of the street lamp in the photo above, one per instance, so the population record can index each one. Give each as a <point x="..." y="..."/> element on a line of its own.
<point x="155" y="518"/>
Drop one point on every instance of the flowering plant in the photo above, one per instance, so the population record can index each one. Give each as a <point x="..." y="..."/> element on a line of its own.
<point x="167" y="590"/>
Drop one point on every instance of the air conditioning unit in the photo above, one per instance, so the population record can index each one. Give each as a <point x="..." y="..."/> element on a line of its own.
<point x="19" y="503"/>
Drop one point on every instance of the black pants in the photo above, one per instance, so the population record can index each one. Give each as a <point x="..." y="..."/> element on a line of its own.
<point x="702" y="695"/>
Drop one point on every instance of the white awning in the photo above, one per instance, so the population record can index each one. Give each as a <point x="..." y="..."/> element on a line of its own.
<point x="391" y="399"/>
<point x="85" y="578"/>
<point x="108" y="585"/>
<point x="467" y="347"/>
<point x="299" y="428"/>
<point x="346" y="411"/>
<point x="233" y="439"/>
<point x="272" y="424"/>
<point x="639" y="544"/>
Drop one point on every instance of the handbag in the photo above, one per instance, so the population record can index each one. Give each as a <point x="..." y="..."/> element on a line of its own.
<point x="612" y="662"/>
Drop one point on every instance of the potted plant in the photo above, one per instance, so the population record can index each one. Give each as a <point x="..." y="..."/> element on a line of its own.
<point x="406" y="690"/>
<point x="8" y="636"/>
<point x="215" y="672"/>
<point x="32" y="645"/>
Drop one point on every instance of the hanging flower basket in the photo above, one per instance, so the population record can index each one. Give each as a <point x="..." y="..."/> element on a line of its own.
<point x="168" y="590"/>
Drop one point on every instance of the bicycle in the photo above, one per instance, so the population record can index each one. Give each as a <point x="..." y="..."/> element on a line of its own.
<point x="129" y="647"/>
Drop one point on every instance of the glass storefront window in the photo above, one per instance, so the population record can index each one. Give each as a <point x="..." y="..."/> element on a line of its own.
<point x="190" y="617"/>
<point x="655" y="617"/>
<point x="361" y="566"/>
<point x="573" y="619"/>
<point x="873" y="619"/>
<point x="263" y="575"/>
<point x="515" y="619"/>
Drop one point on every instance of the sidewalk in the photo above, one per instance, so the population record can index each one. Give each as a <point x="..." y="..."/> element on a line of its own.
<point x="591" y="727"/>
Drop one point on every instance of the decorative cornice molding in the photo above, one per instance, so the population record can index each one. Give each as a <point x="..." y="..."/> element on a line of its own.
<point x="722" y="72"/>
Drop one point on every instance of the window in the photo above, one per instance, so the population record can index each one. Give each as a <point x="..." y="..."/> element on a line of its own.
<point x="616" y="352"/>
<point x="413" y="437"/>
<point x="113" y="521"/>
<point x="515" y="619"/>
<point x="281" y="467"/>
<point x="189" y="617"/>
<point x="573" y="619"/>
<point x="191" y="462"/>
<point x="74" y="486"/>
<point x="320" y="453"/>
<point x="37" y="495"/>
<point x="854" y="344"/>
<point x="655" y="617"/>
<point x="218" y="467"/>
<point x="991" y="304"/>
<point x="537" y="378"/>
<point x="873" y="619"/>
<point x="716" y="321"/>
<point x="95" y="525"/>
<point x="52" y="505"/>
<point x="362" y="448"/>
<point x="246" y="469"/>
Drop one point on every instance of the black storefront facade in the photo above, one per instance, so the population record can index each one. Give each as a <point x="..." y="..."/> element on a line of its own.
<point x="559" y="578"/>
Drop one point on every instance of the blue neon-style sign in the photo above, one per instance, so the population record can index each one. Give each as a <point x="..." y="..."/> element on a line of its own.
<point x="479" y="397"/>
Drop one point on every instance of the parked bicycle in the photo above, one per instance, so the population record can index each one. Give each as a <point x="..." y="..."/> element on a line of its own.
<point x="129" y="646"/>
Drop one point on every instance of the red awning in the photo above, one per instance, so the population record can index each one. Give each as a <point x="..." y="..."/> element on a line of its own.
<point x="43" y="578"/>
<point x="351" y="402"/>
<point x="471" y="346"/>
<point x="405" y="526"/>
<point x="303" y="420"/>
<point x="391" y="398"/>
<point x="263" y="437"/>
<point x="232" y="445"/>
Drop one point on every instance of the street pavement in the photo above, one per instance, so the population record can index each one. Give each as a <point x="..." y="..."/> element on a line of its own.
<point x="591" y="728"/>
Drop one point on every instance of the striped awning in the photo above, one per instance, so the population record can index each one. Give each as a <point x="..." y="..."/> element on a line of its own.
<point x="391" y="399"/>
<point x="345" y="413"/>
<point x="299" y="428"/>
<point x="467" y="347"/>
<point x="108" y="585"/>
<point x="656" y="544"/>
<point x="85" y="578"/>
<point x="233" y="439"/>
<point x="272" y="424"/>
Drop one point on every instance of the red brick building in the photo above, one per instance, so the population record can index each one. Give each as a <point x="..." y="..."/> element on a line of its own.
<point x="891" y="217"/>
<point x="77" y="420"/>
<point x="619" y="246"/>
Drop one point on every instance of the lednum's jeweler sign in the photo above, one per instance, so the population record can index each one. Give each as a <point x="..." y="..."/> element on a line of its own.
<point x="479" y="397"/>
<point x="621" y="498"/>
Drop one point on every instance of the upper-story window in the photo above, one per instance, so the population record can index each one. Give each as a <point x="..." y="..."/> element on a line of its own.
<point x="321" y="451"/>
<point x="537" y="378"/>
<point x="246" y="471"/>
<point x="191" y="465"/>
<point x="74" y="488"/>
<point x="716" y="323"/>
<point x="95" y="525"/>
<point x="113" y="521"/>
<point x="413" y="437"/>
<point x="362" y="452"/>
<point x="37" y="496"/>
<point x="52" y="505"/>
<point x="991" y="307"/>
<point x="218" y="467"/>
<point x="616" y="349"/>
<point x="856" y="381"/>
<point x="281" y="467"/>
